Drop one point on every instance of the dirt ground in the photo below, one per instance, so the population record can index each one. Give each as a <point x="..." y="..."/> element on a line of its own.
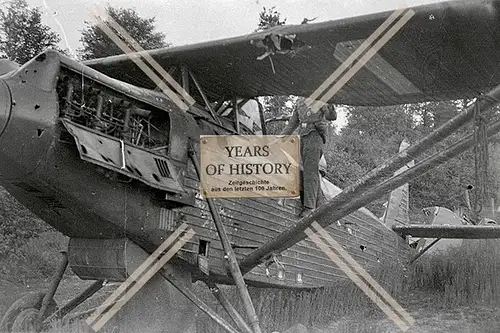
<point x="430" y="317"/>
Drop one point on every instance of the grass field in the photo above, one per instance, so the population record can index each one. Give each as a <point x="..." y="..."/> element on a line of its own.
<point x="455" y="291"/>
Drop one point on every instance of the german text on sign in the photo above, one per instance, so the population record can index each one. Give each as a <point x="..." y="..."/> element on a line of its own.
<point x="250" y="166"/>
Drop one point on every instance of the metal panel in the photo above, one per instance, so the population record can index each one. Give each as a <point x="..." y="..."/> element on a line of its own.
<point x="131" y="161"/>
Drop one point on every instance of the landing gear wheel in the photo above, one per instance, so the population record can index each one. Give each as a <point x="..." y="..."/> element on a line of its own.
<point x="26" y="321"/>
<point x="27" y="302"/>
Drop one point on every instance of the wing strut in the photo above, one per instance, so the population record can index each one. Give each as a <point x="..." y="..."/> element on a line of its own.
<point x="362" y="192"/>
<point x="205" y="99"/>
<point x="229" y="253"/>
<point x="421" y="253"/>
<point x="449" y="231"/>
<point x="236" y="114"/>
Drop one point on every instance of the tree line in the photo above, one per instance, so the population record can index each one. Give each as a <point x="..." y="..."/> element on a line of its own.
<point x="23" y="35"/>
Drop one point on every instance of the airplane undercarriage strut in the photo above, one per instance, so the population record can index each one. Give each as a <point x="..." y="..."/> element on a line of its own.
<point x="24" y="315"/>
<point x="36" y="312"/>
<point x="53" y="286"/>
<point x="72" y="304"/>
<point x="200" y="304"/>
<point x="234" y="267"/>
<point x="235" y="316"/>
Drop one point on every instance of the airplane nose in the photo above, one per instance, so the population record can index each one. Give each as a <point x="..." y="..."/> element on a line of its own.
<point x="5" y="105"/>
<point x="28" y="118"/>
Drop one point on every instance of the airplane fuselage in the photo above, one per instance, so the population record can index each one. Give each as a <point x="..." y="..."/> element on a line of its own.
<point x="100" y="159"/>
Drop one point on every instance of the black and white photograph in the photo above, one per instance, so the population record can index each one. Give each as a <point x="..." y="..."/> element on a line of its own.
<point x="250" y="166"/>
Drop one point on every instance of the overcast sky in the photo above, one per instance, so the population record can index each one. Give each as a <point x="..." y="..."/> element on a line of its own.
<point x="192" y="21"/>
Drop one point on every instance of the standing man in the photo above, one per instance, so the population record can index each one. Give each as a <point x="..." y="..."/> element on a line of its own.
<point x="313" y="129"/>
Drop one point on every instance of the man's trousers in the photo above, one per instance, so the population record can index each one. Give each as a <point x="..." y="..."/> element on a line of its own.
<point x="311" y="148"/>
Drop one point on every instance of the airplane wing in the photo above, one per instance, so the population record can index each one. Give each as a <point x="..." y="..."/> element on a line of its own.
<point x="449" y="231"/>
<point x="448" y="50"/>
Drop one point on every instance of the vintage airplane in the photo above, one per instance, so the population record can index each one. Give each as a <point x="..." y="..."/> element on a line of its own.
<point x="99" y="153"/>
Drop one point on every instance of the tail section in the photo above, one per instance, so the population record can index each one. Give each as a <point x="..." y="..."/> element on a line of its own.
<point x="397" y="211"/>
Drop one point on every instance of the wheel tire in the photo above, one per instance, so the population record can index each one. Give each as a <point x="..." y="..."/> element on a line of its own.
<point x="30" y="301"/>
<point x="26" y="321"/>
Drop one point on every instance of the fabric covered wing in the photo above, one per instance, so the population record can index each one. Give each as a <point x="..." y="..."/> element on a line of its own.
<point x="448" y="50"/>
